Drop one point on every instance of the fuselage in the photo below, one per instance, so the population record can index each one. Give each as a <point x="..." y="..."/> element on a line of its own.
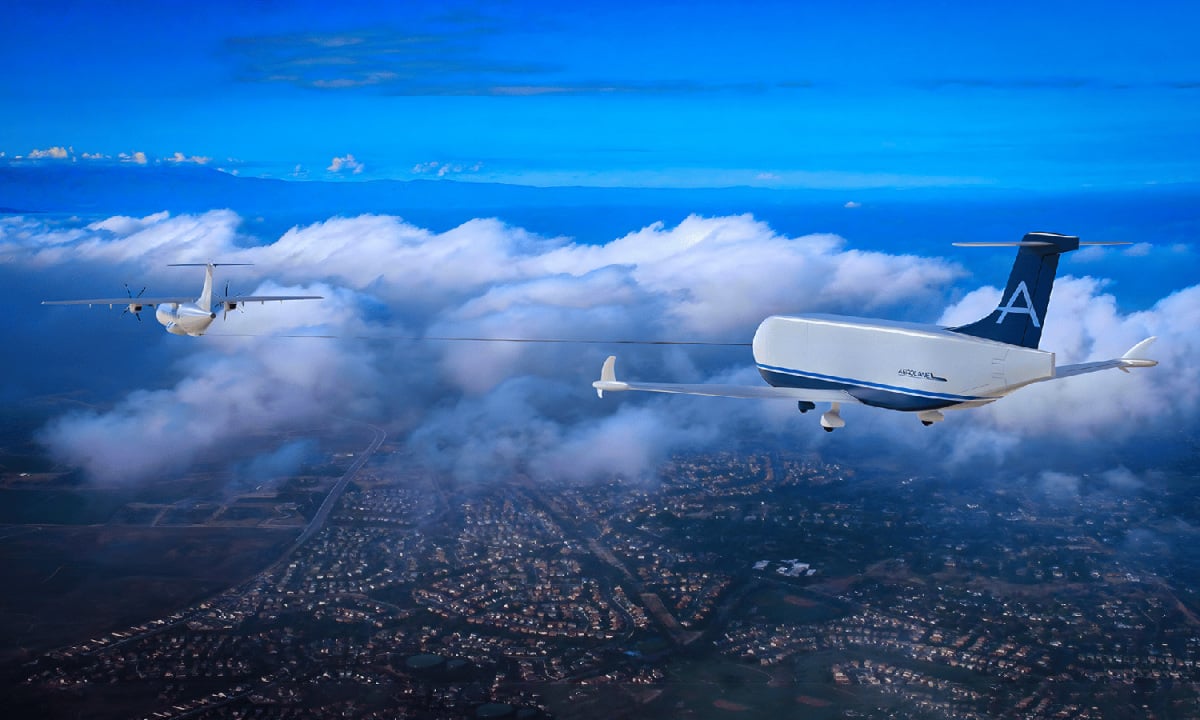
<point x="184" y="318"/>
<point x="894" y="365"/>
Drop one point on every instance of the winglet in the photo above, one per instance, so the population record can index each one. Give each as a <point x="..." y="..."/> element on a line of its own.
<point x="608" y="378"/>
<point x="1132" y="359"/>
<point x="1137" y="350"/>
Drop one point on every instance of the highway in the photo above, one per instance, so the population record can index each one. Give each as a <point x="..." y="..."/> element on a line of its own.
<point x="331" y="499"/>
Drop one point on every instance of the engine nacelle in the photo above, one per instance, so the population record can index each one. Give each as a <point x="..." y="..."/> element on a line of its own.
<point x="230" y="306"/>
<point x="135" y="308"/>
<point x="165" y="314"/>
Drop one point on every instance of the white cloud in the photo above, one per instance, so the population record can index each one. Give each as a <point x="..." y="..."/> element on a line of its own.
<point x="850" y="204"/>
<point x="1122" y="478"/>
<point x="56" y="153"/>
<point x="127" y="226"/>
<point x="231" y="390"/>
<point x="151" y="242"/>
<point x="773" y="274"/>
<point x="179" y="158"/>
<point x="345" y="164"/>
<point x="1058" y="485"/>
<point x="370" y="78"/>
<point x="1095" y="253"/>
<point x="976" y="304"/>
<point x="474" y="407"/>
<point x="442" y="169"/>
<point x="138" y="158"/>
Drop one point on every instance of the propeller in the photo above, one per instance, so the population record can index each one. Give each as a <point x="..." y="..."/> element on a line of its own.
<point x="136" y="313"/>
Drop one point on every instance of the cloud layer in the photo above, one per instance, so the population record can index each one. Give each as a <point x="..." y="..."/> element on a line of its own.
<point x="479" y="410"/>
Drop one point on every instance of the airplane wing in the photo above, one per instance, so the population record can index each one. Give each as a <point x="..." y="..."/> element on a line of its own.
<point x="1130" y="359"/>
<point x="239" y="299"/>
<point x="113" y="302"/>
<point x="608" y="381"/>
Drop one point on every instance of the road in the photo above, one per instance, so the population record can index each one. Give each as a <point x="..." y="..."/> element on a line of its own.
<point x="331" y="499"/>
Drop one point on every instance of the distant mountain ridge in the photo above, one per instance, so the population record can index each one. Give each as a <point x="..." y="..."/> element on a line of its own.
<point x="75" y="188"/>
<point x="908" y="220"/>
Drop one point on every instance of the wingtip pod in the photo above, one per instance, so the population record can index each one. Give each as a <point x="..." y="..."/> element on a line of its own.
<point x="1133" y="357"/>
<point x="608" y="378"/>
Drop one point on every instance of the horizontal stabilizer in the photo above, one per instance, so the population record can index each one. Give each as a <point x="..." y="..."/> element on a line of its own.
<point x="207" y="264"/>
<point x="1033" y="243"/>
<point x="1011" y="243"/>
<point x="608" y="381"/>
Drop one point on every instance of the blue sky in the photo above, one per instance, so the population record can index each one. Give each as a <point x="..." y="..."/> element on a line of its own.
<point x="679" y="94"/>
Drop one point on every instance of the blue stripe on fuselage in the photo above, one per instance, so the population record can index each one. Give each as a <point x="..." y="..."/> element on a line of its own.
<point x="892" y="397"/>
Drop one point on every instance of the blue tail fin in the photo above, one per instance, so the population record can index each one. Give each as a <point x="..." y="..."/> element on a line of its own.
<point x="1018" y="319"/>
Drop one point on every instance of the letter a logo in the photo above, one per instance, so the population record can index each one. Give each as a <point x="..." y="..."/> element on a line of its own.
<point x="1012" y="307"/>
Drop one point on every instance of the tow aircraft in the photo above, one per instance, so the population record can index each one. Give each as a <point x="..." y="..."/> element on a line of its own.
<point x="910" y="367"/>
<point x="184" y="315"/>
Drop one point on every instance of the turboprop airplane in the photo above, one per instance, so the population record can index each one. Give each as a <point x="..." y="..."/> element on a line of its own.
<point x="910" y="367"/>
<point x="184" y="315"/>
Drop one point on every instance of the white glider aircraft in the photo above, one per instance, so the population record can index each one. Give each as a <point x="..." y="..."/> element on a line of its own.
<point x="184" y="315"/>
<point x="910" y="367"/>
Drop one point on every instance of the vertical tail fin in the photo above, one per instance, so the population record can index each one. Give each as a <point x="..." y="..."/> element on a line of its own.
<point x="205" y="299"/>
<point x="1018" y="319"/>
